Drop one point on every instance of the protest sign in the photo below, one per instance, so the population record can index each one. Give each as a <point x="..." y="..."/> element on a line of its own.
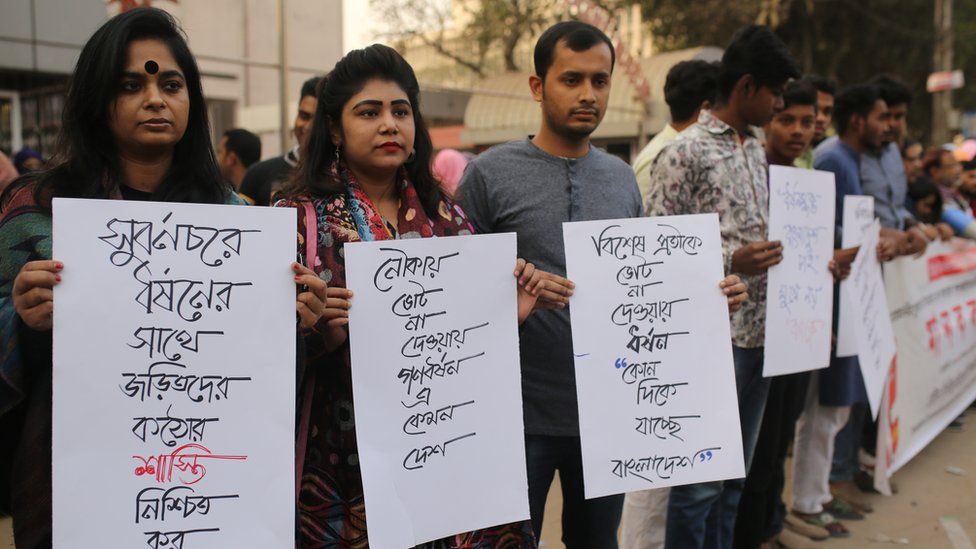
<point x="653" y="353"/>
<point x="174" y="375"/>
<point x="872" y="323"/>
<point x="800" y="288"/>
<point x="437" y="386"/>
<point x="858" y="220"/>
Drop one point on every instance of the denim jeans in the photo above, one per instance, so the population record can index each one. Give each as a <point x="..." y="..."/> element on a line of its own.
<point x="847" y="443"/>
<point x="587" y="523"/>
<point x="703" y="515"/>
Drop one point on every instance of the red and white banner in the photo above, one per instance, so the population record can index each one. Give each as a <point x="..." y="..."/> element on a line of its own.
<point x="933" y="377"/>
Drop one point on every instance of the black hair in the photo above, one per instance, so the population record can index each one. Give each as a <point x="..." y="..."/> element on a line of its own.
<point x="921" y="189"/>
<point x="822" y="84"/>
<point x="756" y="51"/>
<point x="315" y="168"/>
<point x="577" y="36"/>
<point x="310" y="86"/>
<point x="909" y="143"/>
<point x="892" y="90"/>
<point x="86" y="161"/>
<point x="933" y="158"/>
<point x="857" y="99"/>
<point x="968" y="165"/>
<point x="800" y="92"/>
<point x="244" y="144"/>
<point x="688" y="85"/>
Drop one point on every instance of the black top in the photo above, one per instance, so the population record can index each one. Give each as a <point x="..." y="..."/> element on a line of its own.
<point x="128" y="193"/>
<point x="266" y="177"/>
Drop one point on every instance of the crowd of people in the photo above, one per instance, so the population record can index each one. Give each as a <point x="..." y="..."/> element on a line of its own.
<point x="364" y="168"/>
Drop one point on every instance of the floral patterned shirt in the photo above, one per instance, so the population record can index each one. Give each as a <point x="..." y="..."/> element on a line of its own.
<point x="708" y="169"/>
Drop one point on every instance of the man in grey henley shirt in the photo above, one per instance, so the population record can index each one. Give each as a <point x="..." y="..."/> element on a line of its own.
<point x="531" y="187"/>
<point x="518" y="187"/>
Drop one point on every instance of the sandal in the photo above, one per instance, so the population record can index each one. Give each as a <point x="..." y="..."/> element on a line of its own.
<point x="849" y="493"/>
<point x="827" y="522"/>
<point x="842" y="510"/>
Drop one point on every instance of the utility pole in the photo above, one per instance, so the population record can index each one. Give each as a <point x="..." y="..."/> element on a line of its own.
<point x="283" y="121"/>
<point x="942" y="61"/>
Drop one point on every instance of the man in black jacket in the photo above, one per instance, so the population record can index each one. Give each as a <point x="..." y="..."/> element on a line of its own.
<point x="265" y="177"/>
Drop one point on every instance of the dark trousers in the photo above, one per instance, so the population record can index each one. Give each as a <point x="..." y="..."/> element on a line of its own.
<point x="702" y="516"/>
<point x="587" y="523"/>
<point x="761" y="508"/>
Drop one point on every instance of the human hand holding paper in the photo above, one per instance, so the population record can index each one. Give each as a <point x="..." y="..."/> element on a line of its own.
<point x="530" y="283"/>
<point x="33" y="293"/>
<point x="735" y="290"/>
<point x="756" y="257"/>
<point x="557" y="292"/>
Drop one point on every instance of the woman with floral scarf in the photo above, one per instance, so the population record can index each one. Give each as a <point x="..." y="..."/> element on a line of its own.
<point x="366" y="175"/>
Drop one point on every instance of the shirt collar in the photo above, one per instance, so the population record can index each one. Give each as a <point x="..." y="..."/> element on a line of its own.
<point x="714" y="126"/>
<point x="560" y="159"/>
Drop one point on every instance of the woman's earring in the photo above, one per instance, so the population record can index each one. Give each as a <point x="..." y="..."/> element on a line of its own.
<point x="335" y="164"/>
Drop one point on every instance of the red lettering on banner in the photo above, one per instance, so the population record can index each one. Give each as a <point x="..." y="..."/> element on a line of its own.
<point x="892" y="420"/>
<point x="933" y="335"/>
<point x="944" y="320"/>
<point x="951" y="264"/>
<point x="946" y="324"/>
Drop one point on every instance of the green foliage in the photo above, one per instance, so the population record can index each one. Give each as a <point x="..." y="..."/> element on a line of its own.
<point x="489" y="25"/>
<point x="849" y="40"/>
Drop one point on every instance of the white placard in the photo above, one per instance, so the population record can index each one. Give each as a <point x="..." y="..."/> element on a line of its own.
<point x="437" y="386"/>
<point x="799" y="301"/>
<point x="174" y="375"/>
<point x="875" y="338"/>
<point x="858" y="218"/>
<point x="653" y="347"/>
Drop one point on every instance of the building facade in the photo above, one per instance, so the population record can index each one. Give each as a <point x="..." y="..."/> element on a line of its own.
<point x="498" y="106"/>
<point x="236" y="44"/>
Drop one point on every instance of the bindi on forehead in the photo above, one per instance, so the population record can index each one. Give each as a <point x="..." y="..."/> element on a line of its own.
<point x="151" y="67"/>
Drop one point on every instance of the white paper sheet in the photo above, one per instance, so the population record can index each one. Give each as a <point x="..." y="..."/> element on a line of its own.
<point x="437" y="386"/>
<point x="875" y="338"/>
<point x="653" y="347"/>
<point x="858" y="219"/>
<point x="174" y="375"/>
<point x="799" y="301"/>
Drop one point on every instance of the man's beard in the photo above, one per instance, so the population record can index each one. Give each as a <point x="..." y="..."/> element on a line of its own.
<point x="873" y="145"/>
<point x="568" y="131"/>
